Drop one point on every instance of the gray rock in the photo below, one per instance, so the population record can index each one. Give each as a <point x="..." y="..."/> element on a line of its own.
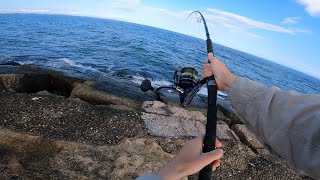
<point x="224" y="132"/>
<point x="247" y="137"/>
<point x="88" y="94"/>
<point x="32" y="79"/>
<point x="157" y="107"/>
<point x="46" y="93"/>
<point x="222" y="117"/>
<point x="120" y="107"/>
<point x="72" y="140"/>
<point x="169" y="126"/>
<point x="68" y="120"/>
<point x="137" y="157"/>
<point x="33" y="157"/>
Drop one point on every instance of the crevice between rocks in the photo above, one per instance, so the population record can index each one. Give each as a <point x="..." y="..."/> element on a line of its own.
<point x="32" y="80"/>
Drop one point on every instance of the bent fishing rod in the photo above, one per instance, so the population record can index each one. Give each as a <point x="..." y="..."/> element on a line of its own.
<point x="211" y="126"/>
<point x="187" y="85"/>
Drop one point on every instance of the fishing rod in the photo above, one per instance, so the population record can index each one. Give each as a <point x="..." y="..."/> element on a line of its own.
<point x="211" y="126"/>
<point x="187" y="85"/>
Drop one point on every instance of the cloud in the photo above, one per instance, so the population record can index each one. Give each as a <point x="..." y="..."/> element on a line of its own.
<point x="135" y="11"/>
<point x="235" y="21"/>
<point x="25" y="11"/>
<point x="291" y="20"/>
<point x="312" y="6"/>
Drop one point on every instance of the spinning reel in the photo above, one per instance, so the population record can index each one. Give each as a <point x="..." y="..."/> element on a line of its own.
<point x="186" y="83"/>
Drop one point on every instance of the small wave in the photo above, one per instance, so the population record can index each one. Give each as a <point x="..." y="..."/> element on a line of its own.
<point x="155" y="83"/>
<point x="204" y="91"/>
<point x="72" y="63"/>
<point x="68" y="61"/>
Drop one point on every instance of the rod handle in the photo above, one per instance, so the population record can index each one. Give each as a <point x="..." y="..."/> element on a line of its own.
<point x="211" y="127"/>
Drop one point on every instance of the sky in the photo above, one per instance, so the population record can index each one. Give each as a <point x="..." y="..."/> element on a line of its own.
<point x="284" y="31"/>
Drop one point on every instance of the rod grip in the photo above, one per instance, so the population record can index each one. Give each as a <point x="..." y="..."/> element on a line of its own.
<point x="210" y="46"/>
<point x="211" y="127"/>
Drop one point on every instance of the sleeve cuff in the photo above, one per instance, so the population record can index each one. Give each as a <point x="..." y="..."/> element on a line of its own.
<point x="150" y="177"/>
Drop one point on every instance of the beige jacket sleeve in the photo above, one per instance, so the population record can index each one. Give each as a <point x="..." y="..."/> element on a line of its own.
<point x="286" y="121"/>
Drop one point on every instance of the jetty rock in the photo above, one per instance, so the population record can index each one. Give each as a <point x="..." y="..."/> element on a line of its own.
<point x="47" y="133"/>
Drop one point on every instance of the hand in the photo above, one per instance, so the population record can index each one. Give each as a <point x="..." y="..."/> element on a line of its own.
<point x="191" y="160"/>
<point x="224" y="78"/>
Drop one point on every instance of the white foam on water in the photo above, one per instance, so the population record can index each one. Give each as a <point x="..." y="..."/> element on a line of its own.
<point x="204" y="91"/>
<point x="137" y="79"/>
<point x="155" y="83"/>
<point x="68" y="61"/>
<point x="65" y="62"/>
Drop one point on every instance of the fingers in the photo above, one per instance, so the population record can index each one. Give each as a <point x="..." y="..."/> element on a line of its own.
<point x="216" y="164"/>
<point x="218" y="144"/>
<point x="209" y="157"/>
<point x="211" y="57"/>
<point x="206" y="70"/>
<point x="206" y="66"/>
<point x="206" y="74"/>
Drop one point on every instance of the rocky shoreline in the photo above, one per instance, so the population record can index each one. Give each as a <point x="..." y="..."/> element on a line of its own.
<point x="57" y="127"/>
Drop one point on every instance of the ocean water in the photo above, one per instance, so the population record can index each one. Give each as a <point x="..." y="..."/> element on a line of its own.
<point x="100" y="48"/>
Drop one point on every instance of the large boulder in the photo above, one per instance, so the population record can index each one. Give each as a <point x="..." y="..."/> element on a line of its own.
<point x="170" y="126"/>
<point x="86" y="93"/>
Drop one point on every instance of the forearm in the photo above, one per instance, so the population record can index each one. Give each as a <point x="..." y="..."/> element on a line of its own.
<point x="286" y="121"/>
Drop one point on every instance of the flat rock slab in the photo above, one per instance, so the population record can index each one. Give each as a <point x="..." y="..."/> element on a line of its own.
<point x="25" y="156"/>
<point x="68" y="119"/>
<point x="170" y="126"/>
<point x="157" y="107"/>
<point x="247" y="137"/>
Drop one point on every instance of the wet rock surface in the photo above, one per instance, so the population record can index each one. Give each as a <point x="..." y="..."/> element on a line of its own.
<point x="48" y="136"/>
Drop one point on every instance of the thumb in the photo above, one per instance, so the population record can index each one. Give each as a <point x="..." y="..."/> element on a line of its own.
<point x="209" y="157"/>
<point x="211" y="57"/>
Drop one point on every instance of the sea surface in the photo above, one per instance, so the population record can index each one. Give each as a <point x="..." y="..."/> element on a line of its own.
<point x="100" y="48"/>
